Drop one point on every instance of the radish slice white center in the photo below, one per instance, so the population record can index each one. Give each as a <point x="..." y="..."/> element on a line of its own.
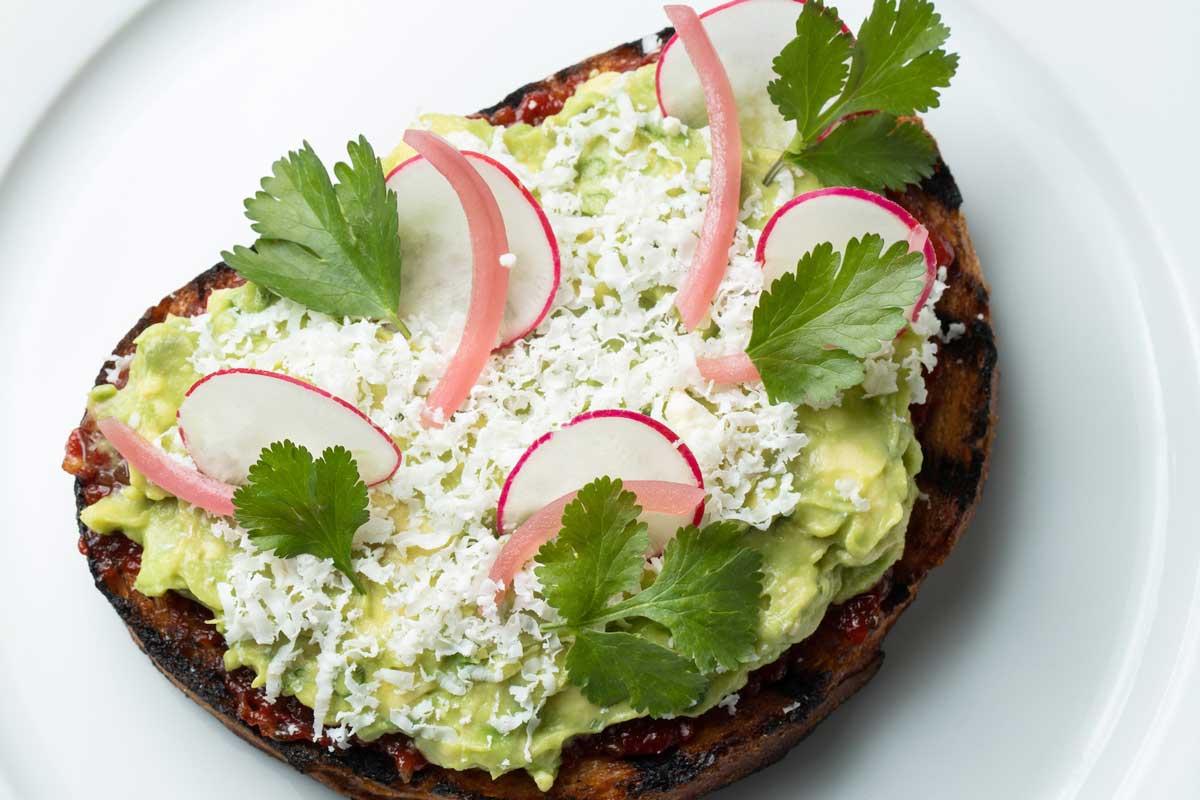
<point x="614" y="443"/>
<point x="228" y="417"/>
<point x="165" y="472"/>
<point x="724" y="196"/>
<point x="489" y="279"/>
<point x="674" y="500"/>
<point x="436" y="247"/>
<point x="838" y="215"/>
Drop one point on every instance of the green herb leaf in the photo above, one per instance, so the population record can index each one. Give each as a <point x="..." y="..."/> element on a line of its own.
<point x="815" y="325"/>
<point x="898" y="66"/>
<point x="335" y="249"/>
<point x="706" y="597"/>
<point x="293" y="504"/>
<point x="610" y="667"/>
<point x="872" y="152"/>
<point x="812" y="69"/>
<point x="597" y="554"/>
<point x="894" y="69"/>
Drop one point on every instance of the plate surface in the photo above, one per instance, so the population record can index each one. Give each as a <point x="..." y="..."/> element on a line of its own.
<point x="1053" y="656"/>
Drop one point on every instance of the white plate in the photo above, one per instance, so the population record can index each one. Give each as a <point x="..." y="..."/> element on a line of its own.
<point x="1050" y="657"/>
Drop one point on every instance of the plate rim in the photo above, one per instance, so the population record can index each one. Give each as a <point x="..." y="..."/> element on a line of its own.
<point x="1187" y="662"/>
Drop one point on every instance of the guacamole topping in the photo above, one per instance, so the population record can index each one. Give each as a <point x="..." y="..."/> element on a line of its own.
<point x="825" y="494"/>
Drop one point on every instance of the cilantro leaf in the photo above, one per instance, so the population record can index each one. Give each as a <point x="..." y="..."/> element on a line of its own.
<point x="335" y="249"/>
<point x="871" y="152"/>
<point x="897" y="65"/>
<point x="814" y="325"/>
<point x="706" y="596"/>
<point x="293" y="504"/>
<point x="812" y="69"/>
<point x="597" y="554"/>
<point x="613" y="666"/>
<point x="894" y="68"/>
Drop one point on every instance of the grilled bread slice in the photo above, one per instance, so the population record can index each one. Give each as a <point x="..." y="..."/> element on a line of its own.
<point x="645" y="759"/>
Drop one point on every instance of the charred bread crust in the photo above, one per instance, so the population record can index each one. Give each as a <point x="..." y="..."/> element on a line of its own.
<point x="956" y="428"/>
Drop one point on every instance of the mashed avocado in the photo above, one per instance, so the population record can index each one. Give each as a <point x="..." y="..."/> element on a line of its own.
<point x="852" y="484"/>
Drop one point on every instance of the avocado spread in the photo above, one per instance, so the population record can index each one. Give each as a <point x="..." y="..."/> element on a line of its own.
<point x="824" y="493"/>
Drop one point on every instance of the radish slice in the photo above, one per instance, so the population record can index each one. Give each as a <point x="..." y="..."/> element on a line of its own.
<point x="747" y="35"/>
<point x="489" y="279"/>
<point x="737" y="368"/>
<point x="165" y="472"/>
<point x="676" y="500"/>
<point x="720" y="216"/>
<point x="838" y="215"/>
<point x="436" y="250"/>
<point x="620" y="444"/>
<point x="228" y="417"/>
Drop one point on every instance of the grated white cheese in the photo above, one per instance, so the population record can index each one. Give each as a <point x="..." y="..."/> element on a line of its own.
<point x="881" y="372"/>
<point x="953" y="331"/>
<point x="850" y="490"/>
<point x="119" y="365"/>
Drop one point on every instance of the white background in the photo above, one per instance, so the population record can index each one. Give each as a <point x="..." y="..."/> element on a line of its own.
<point x="1054" y="655"/>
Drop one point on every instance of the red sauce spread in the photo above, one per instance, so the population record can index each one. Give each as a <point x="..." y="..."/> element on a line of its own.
<point x="285" y="720"/>
<point x="857" y="617"/>
<point x="639" y="737"/>
<point x="114" y="559"/>
<point x="88" y="457"/>
<point x="288" y="720"/>
<point x="406" y="757"/>
<point x="547" y="101"/>
<point x="942" y="249"/>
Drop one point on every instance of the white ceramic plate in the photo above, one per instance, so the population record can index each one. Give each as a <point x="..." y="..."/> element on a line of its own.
<point x="1052" y="656"/>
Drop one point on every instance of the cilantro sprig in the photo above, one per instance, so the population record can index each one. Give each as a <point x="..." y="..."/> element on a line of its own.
<point x="705" y="599"/>
<point x="847" y="96"/>
<point x="333" y="248"/>
<point x="295" y="504"/>
<point x="815" y="325"/>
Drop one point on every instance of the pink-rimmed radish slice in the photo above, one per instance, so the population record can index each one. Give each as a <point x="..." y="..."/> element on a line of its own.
<point x="436" y="247"/>
<point x="664" y="498"/>
<point x="489" y="277"/>
<point x="165" y="472"/>
<point x="228" y="417"/>
<point x="736" y="368"/>
<point x="837" y="215"/>
<point x="747" y="35"/>
<point x="724" y="195"/>
<point x="614" y="443"/>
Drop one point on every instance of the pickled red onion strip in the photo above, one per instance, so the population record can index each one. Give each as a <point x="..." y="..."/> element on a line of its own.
<point x="720" y="216"/>
<point x="737" y="368"/>
<point x="187" y="484"/>
<point x="918" y="242"/>
<point x="917" y="238"/>
<point x="663" y="497"/>
<point x="489" y="279"/>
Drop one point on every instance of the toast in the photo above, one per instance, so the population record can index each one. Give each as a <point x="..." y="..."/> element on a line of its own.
<point x="679" y="758"/>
